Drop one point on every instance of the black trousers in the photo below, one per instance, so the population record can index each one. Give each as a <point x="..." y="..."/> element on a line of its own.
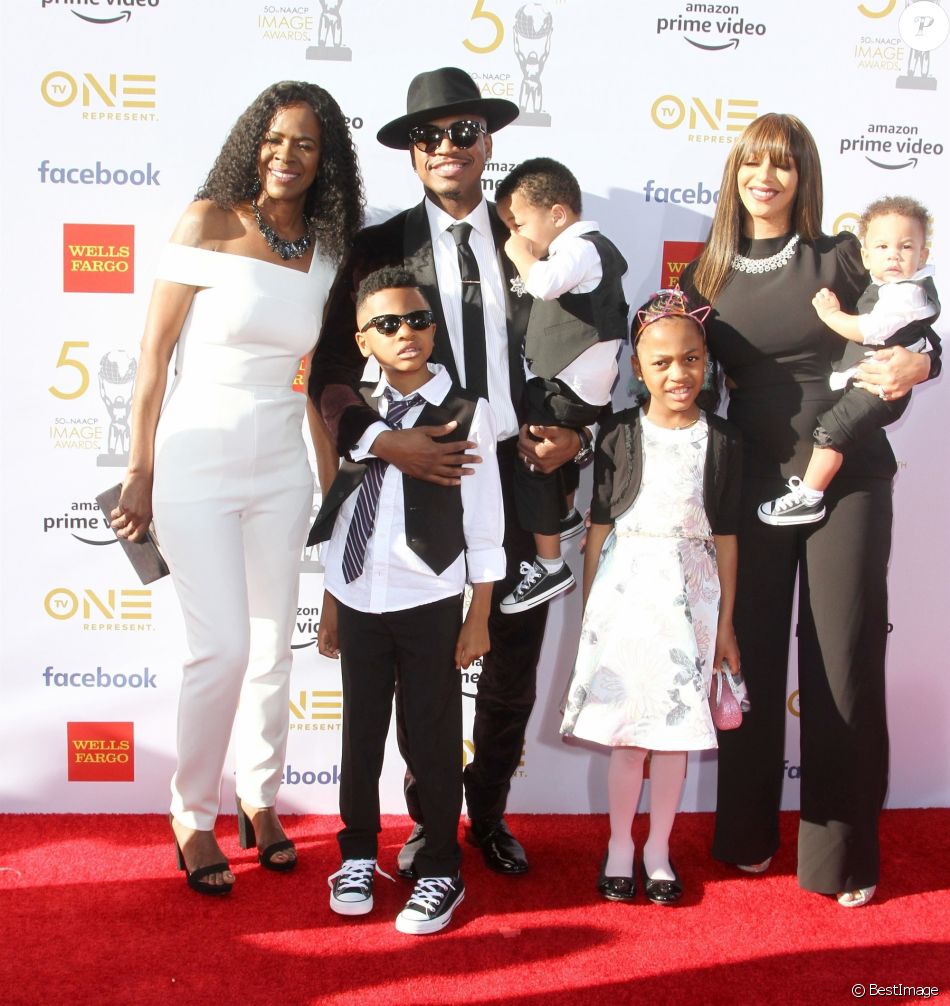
<point x="506" y="684"/>
<point x="842" y="634"/>
<point x="422" y="642"/>
<point x="539" y="497"/>
<point x="855" y="416"/>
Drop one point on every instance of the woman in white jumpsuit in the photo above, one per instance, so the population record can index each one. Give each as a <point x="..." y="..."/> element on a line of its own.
<point x="240" y="291"/>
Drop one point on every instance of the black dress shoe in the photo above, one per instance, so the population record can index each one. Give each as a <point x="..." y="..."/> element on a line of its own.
<point x="661" y="892"/>
<point x="502" y="851"/>
<point x="616" y="888"/>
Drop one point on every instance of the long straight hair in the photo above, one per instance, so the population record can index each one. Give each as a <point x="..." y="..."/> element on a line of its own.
<point x="786" y="141"/>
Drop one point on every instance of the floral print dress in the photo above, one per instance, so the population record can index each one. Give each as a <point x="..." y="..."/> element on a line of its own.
<point x="648" y="638"/>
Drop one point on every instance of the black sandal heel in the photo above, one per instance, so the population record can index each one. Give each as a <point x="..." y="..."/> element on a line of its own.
<point x="248" y="840"/>
<point x="196" y="878"/>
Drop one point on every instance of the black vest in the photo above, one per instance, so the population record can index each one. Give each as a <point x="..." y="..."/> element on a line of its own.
<point x="560" y="330"/>
<point x="915" y="331"/>
<point x="433" y="513"/>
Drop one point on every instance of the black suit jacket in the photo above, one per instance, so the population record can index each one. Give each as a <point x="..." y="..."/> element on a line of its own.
<point x="337" y="365"/>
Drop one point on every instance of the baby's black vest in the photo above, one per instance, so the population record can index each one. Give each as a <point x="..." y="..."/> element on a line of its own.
<point x="433" y="513"/>
<point x="560" y="330"/>
<point x="910" y="334"/>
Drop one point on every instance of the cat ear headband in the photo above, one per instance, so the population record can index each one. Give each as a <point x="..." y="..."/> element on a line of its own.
<point x="670" y="304"/>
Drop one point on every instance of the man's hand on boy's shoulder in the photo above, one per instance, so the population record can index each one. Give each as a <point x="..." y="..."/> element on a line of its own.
<point x="416" y="452"/>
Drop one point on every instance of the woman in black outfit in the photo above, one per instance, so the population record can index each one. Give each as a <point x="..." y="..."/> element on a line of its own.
<point x="765" y="259"/>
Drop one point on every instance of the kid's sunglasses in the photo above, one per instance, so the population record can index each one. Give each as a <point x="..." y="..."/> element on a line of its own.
<point x="389" y="324"/>
<point x="463" y="134"/>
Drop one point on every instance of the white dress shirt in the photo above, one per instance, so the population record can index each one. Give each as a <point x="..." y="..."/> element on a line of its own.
<point x="898" y="304"/>
<point x="445" y="255"/>
<point x="573" y="266"/>
<point x="394" y="577"/>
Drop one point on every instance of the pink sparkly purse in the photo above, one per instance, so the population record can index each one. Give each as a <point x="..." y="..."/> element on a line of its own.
<point x="727" y="704"/>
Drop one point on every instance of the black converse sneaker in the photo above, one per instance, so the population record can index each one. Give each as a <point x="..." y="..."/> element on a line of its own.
<point x="537" y="587"/>
<point x="571" y="525"/>
<point x="430" y="908"/>
<point x="351" y="887"/>
<point x="792" y="508"/>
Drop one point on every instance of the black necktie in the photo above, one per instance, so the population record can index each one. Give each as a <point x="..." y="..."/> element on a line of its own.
<point x="473" y="317"/>
<point x="364" y="516"/>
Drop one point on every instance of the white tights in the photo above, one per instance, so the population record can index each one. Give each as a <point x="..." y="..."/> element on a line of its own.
<point x="624" y="782"/>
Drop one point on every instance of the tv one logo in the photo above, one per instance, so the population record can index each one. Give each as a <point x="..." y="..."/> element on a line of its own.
<point x="715" y="116"/>
<point x="117" y="96"/>
<point x="123" y="605"/>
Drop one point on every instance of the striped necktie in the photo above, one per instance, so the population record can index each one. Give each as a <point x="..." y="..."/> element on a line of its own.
<point x="364" y="516"/>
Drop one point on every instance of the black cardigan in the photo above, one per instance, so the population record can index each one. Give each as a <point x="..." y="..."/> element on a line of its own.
<point x="618" y="470"/>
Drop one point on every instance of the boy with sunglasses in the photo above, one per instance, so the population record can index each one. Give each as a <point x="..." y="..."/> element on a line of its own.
<point x="577" y="324"/>
<point x="395" y="573"/>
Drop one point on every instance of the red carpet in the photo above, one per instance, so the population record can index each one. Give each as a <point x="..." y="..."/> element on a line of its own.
<point x="92" y="912"/>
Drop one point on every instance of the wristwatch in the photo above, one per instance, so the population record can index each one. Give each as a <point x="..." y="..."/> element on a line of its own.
<point x="586" y="450"/>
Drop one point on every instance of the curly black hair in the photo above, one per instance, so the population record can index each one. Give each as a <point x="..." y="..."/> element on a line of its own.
<point x="334" y="202"/>
<point x="542" y="182"/>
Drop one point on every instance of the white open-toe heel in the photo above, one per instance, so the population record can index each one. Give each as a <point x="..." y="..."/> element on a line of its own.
<point x="855" y="899"/>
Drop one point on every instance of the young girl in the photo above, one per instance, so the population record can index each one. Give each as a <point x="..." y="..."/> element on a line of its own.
<point x="659" y="585"/>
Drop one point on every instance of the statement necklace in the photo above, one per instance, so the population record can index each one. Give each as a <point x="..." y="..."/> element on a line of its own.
<point x="756" y="265"/>
<point x="284" y="248"/>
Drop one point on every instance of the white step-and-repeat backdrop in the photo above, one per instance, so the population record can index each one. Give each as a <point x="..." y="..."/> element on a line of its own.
<point x="113" y="111"/>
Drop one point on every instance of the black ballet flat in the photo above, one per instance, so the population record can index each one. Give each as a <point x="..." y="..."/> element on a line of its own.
<point x="265" y="857"/>
<point x="661" y="892"/>
<point x="196" y="878"/>
<point x="616" y="888"/>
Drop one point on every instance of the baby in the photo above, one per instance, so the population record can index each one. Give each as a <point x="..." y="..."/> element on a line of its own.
<point x="897" y="309"/>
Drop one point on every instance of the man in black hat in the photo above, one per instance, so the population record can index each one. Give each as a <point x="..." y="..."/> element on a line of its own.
<point x="453" y="243"/>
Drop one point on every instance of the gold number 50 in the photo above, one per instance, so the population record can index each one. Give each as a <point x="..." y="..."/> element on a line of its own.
<point x="499" y="29"/>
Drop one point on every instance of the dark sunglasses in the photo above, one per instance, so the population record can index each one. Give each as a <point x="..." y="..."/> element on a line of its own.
<point x="463" y="134"/>
<point x="389" y="324"/>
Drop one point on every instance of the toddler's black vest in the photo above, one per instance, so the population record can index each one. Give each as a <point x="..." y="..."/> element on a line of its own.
<point x="560" y="330"/>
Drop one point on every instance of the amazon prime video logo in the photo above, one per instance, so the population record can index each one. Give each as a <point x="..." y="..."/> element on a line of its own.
<point x="726" y="29"/>
<point x="92" y="12"/>
<point x="891" y="146"/>
<point x="330" y="34"/>
<point x="923" y="26"/>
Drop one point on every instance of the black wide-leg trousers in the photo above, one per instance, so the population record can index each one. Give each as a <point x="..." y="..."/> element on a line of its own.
<point x="841" y="635"/>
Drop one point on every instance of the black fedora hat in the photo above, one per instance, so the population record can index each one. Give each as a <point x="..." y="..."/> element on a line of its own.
<point x="442" y="92"/>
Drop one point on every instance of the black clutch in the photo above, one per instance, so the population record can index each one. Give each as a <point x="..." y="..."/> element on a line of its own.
<point x="145" y="556"/>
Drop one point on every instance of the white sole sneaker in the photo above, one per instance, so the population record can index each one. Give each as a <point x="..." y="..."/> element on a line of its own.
<point x="788" y="520"/>
<point x="362" y="907"/>
<point x="546" y="586"/>
<point x="422" y="927"/>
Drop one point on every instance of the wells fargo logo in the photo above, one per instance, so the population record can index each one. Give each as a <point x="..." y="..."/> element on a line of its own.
<point x="708" y="120"/>
<point x="677" y="255"/>
<point x="316" y="710"/>
<point x="98" y="258"/>
<point x="109" y="96"/>
<point x="100" y="752"/>
<point x="128" y="609"/>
